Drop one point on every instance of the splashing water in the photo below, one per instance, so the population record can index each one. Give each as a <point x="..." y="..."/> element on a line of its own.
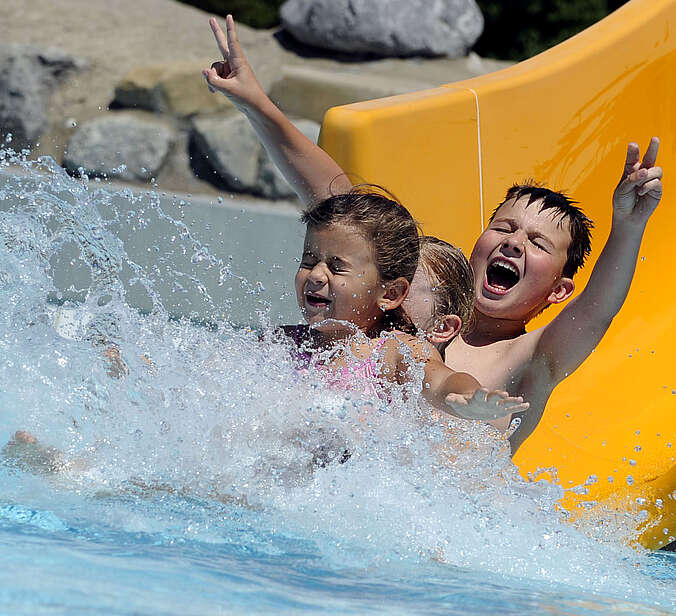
<point x="197" y="468"/>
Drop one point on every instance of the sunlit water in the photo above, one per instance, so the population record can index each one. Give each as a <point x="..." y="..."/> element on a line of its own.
<point x="200" y="471"/>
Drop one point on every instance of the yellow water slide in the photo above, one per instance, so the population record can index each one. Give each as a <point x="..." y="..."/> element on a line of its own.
<point x="564" y="118"/>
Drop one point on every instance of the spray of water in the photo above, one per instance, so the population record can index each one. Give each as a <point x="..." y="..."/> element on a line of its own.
<point x="142" y="403"/>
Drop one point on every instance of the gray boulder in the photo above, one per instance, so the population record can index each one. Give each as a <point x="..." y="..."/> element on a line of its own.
<point x="120" y="145"/>
<point x="270" y="183"/>
<point x="27" y="75"/>
<point x="231" y="150"/>
<point x="386" y="27"/>
<point x="230" y="147"/>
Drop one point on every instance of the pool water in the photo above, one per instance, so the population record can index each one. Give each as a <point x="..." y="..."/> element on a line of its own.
<point x="183" y="466"/>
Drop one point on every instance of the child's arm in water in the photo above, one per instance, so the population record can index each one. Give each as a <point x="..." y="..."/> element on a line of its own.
<point x="456" y="393"/>
<point x="310" y="171"/>
<point x="569" y="339"/>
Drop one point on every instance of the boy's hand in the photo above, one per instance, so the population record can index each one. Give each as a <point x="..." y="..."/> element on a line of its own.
<point x="640" y="188"/>
<point x="485" y="405"/>
<point x="234" y="76"/>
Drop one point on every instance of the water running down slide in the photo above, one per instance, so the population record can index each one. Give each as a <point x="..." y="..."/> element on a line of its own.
<point x="564" y="118"/>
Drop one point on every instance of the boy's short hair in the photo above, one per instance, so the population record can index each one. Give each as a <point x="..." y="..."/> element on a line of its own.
<point x="578" y="224"/>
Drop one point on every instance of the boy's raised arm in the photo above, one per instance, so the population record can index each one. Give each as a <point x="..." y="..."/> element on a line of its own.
<point x="310" y="171"/>
<point x="568" y="340"/>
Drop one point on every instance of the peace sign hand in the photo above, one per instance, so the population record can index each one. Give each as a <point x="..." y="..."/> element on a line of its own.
<point x="233" y="76"/>
<point x="640" y="188"/>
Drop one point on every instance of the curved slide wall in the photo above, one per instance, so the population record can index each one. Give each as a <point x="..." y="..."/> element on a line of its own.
<point x="563" y="117"/>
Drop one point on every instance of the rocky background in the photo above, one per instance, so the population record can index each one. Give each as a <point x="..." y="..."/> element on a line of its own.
<point x="115" y="89"/>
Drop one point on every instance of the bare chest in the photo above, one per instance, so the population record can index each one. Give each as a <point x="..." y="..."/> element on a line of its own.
<point x="495" y="366"/>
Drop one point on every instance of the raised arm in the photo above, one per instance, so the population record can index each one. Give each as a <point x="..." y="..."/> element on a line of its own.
<point x="568" y="340"/>
<point x="308" y="169"/>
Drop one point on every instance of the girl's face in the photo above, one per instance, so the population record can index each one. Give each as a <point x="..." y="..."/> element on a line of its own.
<point x="338" y="279"/>
<point x="419" y="304"/>
<point x="420" y="307"/>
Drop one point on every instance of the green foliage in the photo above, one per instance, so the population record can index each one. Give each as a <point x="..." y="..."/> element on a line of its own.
<point x="254" y="13"/>
<point x="519" y="29"/>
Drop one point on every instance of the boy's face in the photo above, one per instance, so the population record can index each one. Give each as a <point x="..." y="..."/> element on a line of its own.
<point x="518" y="262"/>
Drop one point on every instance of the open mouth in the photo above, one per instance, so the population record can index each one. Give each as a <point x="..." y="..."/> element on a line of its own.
<point x="317" y="301"/>
<point x="502" y="275"/>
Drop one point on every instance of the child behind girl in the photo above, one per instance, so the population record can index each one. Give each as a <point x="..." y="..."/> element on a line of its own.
<point x="441" y="299"/>
<point x="360" y="256"/>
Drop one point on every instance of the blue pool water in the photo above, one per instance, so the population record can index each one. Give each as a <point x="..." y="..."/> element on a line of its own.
<point x="196" y="472"/>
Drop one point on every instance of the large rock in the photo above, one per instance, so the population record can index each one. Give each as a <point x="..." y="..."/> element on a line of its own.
<point x="27" y="75"/>
<point x="120" y="145"/>
<point x="386" y="27"/>
<point x="169" y="88"/>
<point x="234" y="156"/>
<point x="230" y="147"/>
<point x="271" y="183"/>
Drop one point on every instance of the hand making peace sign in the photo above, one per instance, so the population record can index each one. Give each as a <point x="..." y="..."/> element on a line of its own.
<point x="233" y="76"/>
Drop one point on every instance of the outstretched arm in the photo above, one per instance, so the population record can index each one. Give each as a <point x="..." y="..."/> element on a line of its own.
<point x="568" y="340"/>
<point x="308" y="169"/>
<point x="458" y="393"/>
<point x="461" y="395"/>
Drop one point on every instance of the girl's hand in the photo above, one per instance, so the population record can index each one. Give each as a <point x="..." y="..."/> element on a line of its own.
<point x="234" y="77"/>
<point x="485" y="405"/>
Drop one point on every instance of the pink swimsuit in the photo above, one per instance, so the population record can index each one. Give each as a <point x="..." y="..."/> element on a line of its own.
<point x="359" y="375"/>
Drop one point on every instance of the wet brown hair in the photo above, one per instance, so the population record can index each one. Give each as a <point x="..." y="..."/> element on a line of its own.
<point x="451" y="279"/>
<point x="387" y="225"/>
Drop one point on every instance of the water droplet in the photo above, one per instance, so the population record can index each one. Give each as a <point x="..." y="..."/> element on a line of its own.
<point x="630" y="480"/>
